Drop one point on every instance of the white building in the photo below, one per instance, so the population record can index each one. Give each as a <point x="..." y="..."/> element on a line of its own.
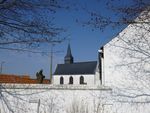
<point x="76" y="73"/>
<point x="126" y="67"/>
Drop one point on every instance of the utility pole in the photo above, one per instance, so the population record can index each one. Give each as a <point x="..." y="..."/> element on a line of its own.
<point x="51" y="63"/>
<point x="1" y="68"/>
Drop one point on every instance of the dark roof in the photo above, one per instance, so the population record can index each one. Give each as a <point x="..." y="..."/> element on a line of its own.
<point x="69" y="54"/>
<point x="76" y="68"/>
<point x="68" y="58"/>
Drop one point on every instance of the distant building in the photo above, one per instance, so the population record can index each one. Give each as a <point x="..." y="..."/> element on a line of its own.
<point x="75" y="73"/>
<point x="25" y="79"/>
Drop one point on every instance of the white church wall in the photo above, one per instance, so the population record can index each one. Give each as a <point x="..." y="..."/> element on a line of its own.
<point x="88" y="79"/>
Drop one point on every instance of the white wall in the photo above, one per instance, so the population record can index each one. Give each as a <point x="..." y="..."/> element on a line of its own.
<point x="24" y="98"/>
<point x="126" y="56"/>
<point x="124" y="61"/>
<point x="89" y="79"/>
<point x="126" y="67"/>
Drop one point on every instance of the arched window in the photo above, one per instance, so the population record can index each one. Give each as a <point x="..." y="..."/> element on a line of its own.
<point x="71" y="80"/>
<point x="61" y="80"/>
<point x="81" y="80"/>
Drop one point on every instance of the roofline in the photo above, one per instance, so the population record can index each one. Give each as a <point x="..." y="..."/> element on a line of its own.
<point x="81" y="62"/>
<point x="115" y="35"/>
<point x="75" y="74"/>
<point x="77" y="63"/>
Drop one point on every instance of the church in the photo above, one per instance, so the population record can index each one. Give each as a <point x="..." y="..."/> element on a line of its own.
<point x="76" y="73"/>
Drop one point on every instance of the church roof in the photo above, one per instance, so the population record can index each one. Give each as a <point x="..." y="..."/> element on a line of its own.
<point x="76" y="68"/>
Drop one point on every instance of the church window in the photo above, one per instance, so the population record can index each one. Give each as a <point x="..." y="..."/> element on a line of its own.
<point x="81" y="80"/>
<point x="71" y="80"/>
<point x="61" y="80"/>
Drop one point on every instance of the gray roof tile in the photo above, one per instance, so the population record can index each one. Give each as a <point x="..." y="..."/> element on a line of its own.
<point x="76" y="68"/>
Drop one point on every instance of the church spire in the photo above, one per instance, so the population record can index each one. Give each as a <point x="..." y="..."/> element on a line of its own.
<point x="68" y="58"/>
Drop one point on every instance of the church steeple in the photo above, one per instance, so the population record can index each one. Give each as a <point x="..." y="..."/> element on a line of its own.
<point x="68" y="58"/>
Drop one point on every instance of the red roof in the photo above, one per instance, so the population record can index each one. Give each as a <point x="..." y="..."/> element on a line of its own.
<point x="24" y="79"/>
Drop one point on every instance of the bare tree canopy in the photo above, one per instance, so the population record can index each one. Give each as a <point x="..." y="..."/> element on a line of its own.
<point x="28" y="22"/>
<point x="124" y="13"/>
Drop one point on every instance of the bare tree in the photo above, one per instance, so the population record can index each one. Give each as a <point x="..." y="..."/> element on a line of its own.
<point x="124" y="14"/>
<point x="26" y="23"/>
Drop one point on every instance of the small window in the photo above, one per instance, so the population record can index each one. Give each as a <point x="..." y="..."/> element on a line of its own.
<point x="61" y="80"/>
<point x="81" y="80"/>
<point x="71" y="80"/>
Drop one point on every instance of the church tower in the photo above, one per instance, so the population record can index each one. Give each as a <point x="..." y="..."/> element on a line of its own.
<point x="68" y="58"/>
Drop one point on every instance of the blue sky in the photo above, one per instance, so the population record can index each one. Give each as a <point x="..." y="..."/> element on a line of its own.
<point x="84" y="42"/>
